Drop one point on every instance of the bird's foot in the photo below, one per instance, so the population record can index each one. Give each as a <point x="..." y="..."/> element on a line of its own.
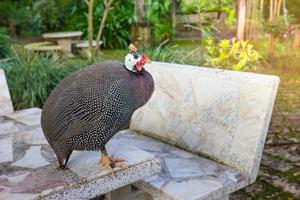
<point x="109" y="163"/>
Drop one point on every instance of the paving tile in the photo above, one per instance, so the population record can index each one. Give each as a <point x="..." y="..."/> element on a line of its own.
<point x="6" y="150"/>
<point x="30" y="116"/>
<point x="32" y="159"/>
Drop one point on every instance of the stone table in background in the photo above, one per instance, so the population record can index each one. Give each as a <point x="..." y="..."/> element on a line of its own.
<point x="64" y="39"/>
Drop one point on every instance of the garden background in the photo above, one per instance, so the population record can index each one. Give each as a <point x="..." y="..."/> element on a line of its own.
<point x="262" y="36"/>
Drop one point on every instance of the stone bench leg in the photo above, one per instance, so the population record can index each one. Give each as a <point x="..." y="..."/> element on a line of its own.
<point x="127" y="193"/>
<point x="66" y="45"/>
<point x="224" y="198"/>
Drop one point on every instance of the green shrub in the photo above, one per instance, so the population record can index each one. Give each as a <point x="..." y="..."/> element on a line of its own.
<point x="32" y="76"/>
<point x="235" y="55"/>
<point x="5" y="42"/>
<point x="158" y="14"/>
<point x="276" y="27"/>
<point x="17" y="15"/>
<point x="47" y="15"/>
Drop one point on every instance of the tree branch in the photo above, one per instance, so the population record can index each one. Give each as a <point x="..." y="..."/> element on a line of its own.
<point x="102" y="23"/>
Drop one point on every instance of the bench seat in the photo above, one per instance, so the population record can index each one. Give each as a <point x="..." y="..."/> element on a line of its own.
<point x="220" y="114"/>
<point x="29" y="168"/>
<point x="184" y="175"/>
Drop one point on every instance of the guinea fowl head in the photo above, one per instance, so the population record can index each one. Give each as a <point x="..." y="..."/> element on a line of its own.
<point x="135" y="61"/>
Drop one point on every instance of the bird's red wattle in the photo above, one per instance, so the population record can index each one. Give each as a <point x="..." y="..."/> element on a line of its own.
<point x="139" y="65"/>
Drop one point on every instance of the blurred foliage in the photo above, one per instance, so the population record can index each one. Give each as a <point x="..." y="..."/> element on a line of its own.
<point x="197" y="6"/>
<point x="49" y="15"/>
<point x="32" y="76"/>
<point x="158" y="14"/>
<point x="39" y="16"/>
<point x="283" y="57"/>
<point x="116" y="33"/>
<point x="276" y="27"/>
<point x="231" y="54"/>
<point x="200" y="6"/>
<point x="17" y="15"/>
<point x="293" y="9"/>
<point x="5" y="42"/>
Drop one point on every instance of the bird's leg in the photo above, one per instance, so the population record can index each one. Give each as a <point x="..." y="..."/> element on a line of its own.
<point x="109" y="162"/>
<point x="106" y="163"/>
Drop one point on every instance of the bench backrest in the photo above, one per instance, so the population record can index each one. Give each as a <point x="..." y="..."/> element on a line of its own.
<point x="217" y="113"/>
<point x="6" y="105"/>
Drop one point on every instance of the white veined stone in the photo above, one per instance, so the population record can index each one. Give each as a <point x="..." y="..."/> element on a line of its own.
<point x="32" y="159"/>
<point x="6" y="151"/>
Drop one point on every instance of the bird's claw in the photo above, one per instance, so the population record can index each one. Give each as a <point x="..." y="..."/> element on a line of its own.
<point x="117" y="159"/>
<point x="109" y="163"/>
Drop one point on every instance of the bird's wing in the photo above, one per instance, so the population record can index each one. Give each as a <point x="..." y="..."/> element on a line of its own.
<point x="114" y="112"/>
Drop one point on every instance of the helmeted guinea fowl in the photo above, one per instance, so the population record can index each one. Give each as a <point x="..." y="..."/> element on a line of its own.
<point x="91" y="105"/>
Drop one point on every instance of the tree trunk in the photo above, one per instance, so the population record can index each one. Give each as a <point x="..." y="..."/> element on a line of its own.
<point x="241" y="20"/>
<point x="271" y="18"/>
<point x="271" y="10"/>
<point x="140" y="11"/>
<point x="296" y="41"/>
<point x="12" y="26"/>
<point x="90" y="4"/>
<point x="173" y="14"/>
<point x="261" y="8"/>
<point x="285" y="12"/>
<point x="271" y="44"/>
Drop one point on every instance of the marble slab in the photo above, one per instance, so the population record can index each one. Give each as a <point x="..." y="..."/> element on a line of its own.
<point x="30" y="116"/>
<point x="5" y="101"/>
<point x="32" y="136"/>
<point x="184" y="175"/>
<point x="27" y="185"/>
<point x="32" y="159"/>
<point x="217" y="113"/>
<point x="8" y="127"/>
<point x="80" y="159"/>
<point x="6" y="150"/>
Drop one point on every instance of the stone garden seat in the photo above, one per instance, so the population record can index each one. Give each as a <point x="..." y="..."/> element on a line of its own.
<point x="43" y="47"/>
<point x="208" y="126"/>
<point x="29" y="169"/>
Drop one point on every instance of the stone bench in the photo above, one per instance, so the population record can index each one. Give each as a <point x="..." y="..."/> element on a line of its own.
<point x="83" y="47"/>
<point x="43" y="47"/>
<point x="29" y="169"/>
<point x="208" y="126"/>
